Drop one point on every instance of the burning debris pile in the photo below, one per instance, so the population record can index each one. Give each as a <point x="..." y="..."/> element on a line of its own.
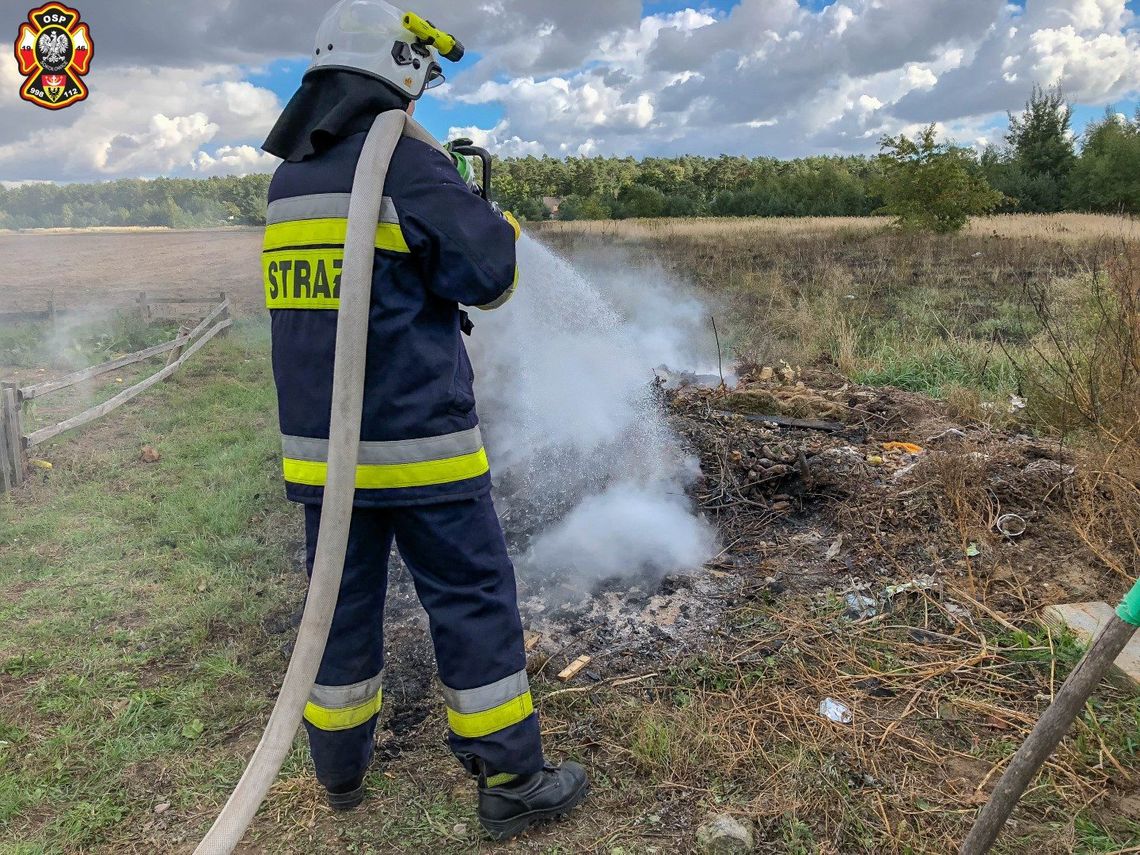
<point x="812" y="485"/>
<point x="641" y="509"/>
<point x="816" y="483"/>
<point x="816" y="488"/>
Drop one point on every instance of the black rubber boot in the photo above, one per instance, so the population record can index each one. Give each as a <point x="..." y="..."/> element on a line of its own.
<point x="509" y="809"/>
<point x="346" y="797"/>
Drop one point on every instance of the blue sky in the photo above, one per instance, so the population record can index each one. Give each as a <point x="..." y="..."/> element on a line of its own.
<point x="283" y="76"/>
<point x="614" y="77"/>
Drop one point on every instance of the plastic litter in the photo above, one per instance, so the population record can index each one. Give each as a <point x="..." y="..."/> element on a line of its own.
<point x="954" y="432"/>
<point x="835" y="711"/>
<point x="860" y="606"/>
<point x="956" y="611"/>
<point x="1049" y="467"/>
<point x="973" y="550"/>
<point x="919" y="583"/>
<point x="1011" y="525"/>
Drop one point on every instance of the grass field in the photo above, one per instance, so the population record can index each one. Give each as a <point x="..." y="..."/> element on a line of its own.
<point x="962" y="317"/>
<point x="147" y="610"/>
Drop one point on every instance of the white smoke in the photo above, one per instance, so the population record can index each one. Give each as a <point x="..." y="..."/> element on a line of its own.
<point x="590" y="479"/>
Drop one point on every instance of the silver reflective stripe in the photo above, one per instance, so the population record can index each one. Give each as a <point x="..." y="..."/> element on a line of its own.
<point x="487" y="697"/>
<point x="346" y="697"/>
<point x="380" y="453"/>
<point x="321" y="206"/>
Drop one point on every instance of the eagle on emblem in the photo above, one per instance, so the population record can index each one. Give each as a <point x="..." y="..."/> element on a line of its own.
<point x="53" y="47"/>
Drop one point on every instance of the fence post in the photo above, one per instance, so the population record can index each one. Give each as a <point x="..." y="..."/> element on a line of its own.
<point x="176" y="354"/>
<point x="144" y="306"/>
<point x="5" y="469"/>
<point x="13" y="455"/>
<point x="225" y="315"/>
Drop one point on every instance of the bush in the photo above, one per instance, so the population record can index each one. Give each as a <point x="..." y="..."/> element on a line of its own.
<point x="576" y="207"/>
<point x="639" y="200"/>
<point x="931" y="186"/>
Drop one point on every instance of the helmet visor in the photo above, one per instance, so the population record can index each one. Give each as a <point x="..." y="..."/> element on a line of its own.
<point x="435" y="77"/>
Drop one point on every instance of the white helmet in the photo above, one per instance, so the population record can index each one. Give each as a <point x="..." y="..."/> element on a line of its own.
<point x="375" y="38"/>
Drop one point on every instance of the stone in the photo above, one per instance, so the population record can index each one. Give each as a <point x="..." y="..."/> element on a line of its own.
<point x="1085" y="620"/>
<point x="725" y="835"/>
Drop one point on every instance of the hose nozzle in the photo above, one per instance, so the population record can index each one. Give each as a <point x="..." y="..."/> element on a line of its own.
<point x="448" y="45"/>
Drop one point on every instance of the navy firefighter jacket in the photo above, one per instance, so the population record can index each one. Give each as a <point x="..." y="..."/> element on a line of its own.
<point x="438" y="246"/>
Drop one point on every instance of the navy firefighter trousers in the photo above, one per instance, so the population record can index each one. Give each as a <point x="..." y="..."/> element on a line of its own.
<point x="464" y="579"/>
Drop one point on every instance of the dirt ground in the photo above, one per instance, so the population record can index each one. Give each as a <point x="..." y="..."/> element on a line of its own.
<point x="108" y="268"/>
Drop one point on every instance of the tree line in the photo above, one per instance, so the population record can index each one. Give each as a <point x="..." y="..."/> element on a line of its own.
<point x="180" y="203"/>
<point x="1042" y="167"/>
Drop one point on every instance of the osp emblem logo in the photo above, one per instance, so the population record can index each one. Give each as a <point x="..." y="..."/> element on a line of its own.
<point x="54" y="52"/>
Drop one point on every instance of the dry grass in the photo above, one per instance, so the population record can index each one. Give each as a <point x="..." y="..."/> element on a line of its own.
<point x="950" y="316"/>
<point x="1089" y="378"/>
<point x="1075" y="228"/>
<point x="939" y="692"/>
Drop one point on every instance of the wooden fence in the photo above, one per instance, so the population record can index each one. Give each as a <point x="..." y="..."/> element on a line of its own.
<point x="15" y="444"/>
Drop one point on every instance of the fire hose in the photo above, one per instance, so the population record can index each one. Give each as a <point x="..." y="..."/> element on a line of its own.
<point x="336" y="510"/>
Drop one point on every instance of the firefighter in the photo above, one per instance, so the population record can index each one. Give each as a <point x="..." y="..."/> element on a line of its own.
<point x="422" y="477"/>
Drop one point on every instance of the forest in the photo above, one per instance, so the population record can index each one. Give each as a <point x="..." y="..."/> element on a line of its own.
<point x="1042" y="167"/>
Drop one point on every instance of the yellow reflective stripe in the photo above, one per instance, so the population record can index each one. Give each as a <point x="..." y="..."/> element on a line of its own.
<point x="500" y="779"/>
<point x="325" y="718"/>
<point x="332" y="230"/>
<point x="391" y="238"/>
<point x="303" y="279"/>
<point x="394" y="475"/>
<point x="505" y="297"/>
<point x="474" y="725"/>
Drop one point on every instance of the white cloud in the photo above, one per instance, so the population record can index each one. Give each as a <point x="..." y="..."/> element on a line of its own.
<point x="496" y="140"/>
<point x="234" y="160"/>
<point x="778" y="77"/>
<point x="919" y="76"/>
<point x="566" y="107"/>
<point x="1093" y="65"/>
<point x="1083" y="15"/>
<point x="141" y="122"/>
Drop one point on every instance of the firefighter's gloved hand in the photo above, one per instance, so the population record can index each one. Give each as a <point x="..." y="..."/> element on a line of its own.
<point x="510" y="218"/>
<point x="463" y="164"/>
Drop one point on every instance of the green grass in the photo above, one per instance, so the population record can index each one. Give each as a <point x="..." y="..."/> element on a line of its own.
<point x="136" y="668"/>
<point x="76" y="344"/>
<point x="933" y="367"/>
<point x="133" y="600"/>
